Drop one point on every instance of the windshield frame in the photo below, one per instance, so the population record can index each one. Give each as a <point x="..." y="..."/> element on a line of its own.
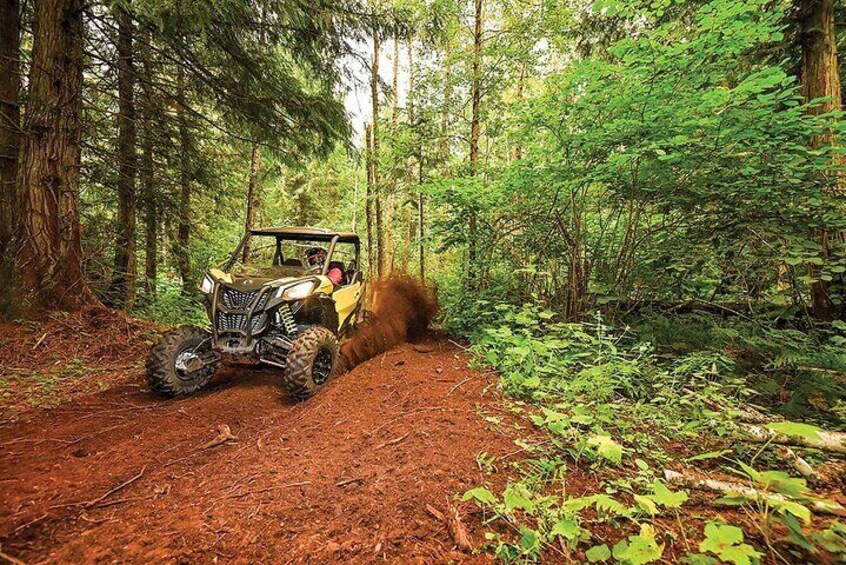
<point x="230" y="263"/>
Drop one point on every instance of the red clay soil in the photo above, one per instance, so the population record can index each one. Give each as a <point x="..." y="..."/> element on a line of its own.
<point x="122" y="476"/>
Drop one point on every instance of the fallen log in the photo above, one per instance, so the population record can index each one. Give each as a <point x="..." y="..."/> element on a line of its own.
<point x="751" y="493"/>
<point x="833" y="442"/>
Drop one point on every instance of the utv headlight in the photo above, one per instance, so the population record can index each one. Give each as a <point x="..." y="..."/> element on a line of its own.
<point x="295" y="292"/>
<point x="207" y="285"/>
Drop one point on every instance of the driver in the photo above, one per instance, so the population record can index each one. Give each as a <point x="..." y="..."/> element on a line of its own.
<point x="316" y="257"/>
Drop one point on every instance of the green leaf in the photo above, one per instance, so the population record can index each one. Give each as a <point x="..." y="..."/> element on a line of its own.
<point x="567" y="528"/>
<point x="726" y="542"/>
<point x="607" y="448"/>
<point x="480" y="495"/>
<point x="515" y="500"/>
<point x="666" y="497"/>
<point x="709" y="455"/>
<point x="639" y="549"/>
<point x="646" y="504"/>
<point x="796" y="429"/>
<point x="598" y="553"/>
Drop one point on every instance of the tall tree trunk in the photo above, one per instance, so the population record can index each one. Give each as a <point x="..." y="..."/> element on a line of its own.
<point x="518" y="150"/>
<point x="49" y="255"/>
<point x="184" y="227"/>
<point x="151" y="212"/>
<point x="10" y="86"/>
<point x="374" y="155"/>
<point x="443" y="148"/>
<point x="820" y="79"/>
<point x="368" y="204"/>
<point x="122" y="288"/>
<point x="147" y="172"/>
<point x="409" y="48"/>
<point x="421" y="225"/>
<point x="252" y="189"/>
<point x="476" y="96"/>
<point x="395" y="71"/>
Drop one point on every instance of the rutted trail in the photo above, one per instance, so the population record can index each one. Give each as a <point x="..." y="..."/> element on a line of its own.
<point x="345" y="476"/>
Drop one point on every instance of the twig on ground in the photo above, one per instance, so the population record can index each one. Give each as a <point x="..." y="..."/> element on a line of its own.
<point x="346" y="482"/>
<point x="455" y="343"/>
<point x="121" y="486"/>
<point x="457" y="386"/>
<point x="392" y="442"/>
<point x="11" y="559"/>
<point x="224" y="434"/>
<point x="40" y="341"/>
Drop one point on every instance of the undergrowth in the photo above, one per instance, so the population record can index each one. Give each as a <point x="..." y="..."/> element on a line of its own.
<point x="633" y="403"/>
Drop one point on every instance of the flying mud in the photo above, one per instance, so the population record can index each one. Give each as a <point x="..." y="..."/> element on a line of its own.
<point x="402" y="310"/>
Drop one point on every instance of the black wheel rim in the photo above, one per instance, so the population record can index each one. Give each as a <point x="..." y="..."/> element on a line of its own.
<point x="186" y="355"/>
<point x="322" y="367"/>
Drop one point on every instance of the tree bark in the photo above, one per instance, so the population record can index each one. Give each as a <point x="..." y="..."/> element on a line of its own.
<point x="368" y="204"/>
<point x="147" y="172"/>
<point x="151" y="215"/>
<point x="820" y="79"/>
<point x="122" y="288"/>
<point x="10" y="86"/>
<point x="476" y="96"/>
<point x="395" y="72"/>
<point x="49" y="256"/>
<point x="184" y="228"/>
<point x="252" y="189"/>
<point x="374" y="156"/>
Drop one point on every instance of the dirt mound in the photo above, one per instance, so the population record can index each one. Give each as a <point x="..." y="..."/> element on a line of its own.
<point x="402" y="310"/>
<point x="52" y="361"/>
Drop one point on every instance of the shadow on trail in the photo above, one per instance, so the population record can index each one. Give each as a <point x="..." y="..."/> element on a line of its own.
<point x="402" y="309"/>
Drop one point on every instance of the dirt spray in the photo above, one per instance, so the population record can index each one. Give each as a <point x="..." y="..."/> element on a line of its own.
<point x="402" y="309"/>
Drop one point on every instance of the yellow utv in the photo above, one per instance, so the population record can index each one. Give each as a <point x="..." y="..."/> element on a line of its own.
<point x="286" y="298"/>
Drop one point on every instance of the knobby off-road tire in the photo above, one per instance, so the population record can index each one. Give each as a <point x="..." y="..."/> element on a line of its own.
<point x="312" y="361"/>
<point x="162" y="373"/>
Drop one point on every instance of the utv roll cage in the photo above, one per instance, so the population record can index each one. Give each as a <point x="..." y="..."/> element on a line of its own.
<point x="318" y="235"/>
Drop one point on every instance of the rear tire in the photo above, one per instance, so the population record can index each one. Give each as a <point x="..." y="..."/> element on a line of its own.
<point x="163" y="372"/>
<point x="312" y="361"/>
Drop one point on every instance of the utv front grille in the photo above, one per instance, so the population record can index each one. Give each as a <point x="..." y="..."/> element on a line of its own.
<point x="241" y="300"/>
<point x="227" y="322"/>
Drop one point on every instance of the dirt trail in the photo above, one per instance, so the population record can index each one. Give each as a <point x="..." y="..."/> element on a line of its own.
<point x="343" y="477"/>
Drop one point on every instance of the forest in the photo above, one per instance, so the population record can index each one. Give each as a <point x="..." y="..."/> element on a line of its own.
<point x="631" y="215"/>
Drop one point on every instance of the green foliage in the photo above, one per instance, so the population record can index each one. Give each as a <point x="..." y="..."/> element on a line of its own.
<point x="726" y="542"/>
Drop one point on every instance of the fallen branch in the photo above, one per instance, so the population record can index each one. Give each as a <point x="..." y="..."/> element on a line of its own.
<point x="753" y="494"/>
<point x="456" y="529"/>
<point x="121" y="486"/>
<point x="224" y="434"/>
<point x="802" y="467"/>
<point x="834" y="442"/>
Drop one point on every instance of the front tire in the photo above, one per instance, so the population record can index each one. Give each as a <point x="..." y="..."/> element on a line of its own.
<point x="166" y="364"/>
<point x="312" y="361"/>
